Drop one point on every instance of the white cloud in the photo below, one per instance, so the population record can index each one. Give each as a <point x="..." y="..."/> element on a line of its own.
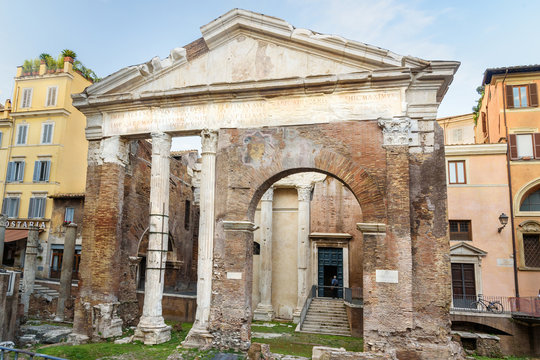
<point x="398" y="26"/>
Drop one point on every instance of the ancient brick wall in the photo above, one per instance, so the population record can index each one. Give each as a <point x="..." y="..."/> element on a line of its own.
<point x="248" y="163"/>
<point x="117" y="199"/>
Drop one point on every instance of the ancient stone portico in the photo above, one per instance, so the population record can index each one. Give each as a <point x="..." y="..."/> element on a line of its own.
<point x="270" y="100"/>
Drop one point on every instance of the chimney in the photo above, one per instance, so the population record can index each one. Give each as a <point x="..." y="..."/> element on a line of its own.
<point x="42" y="67"/>
<point x="68" y="64"/>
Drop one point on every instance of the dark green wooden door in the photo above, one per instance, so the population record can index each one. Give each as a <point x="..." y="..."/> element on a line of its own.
<point x="330" y="263"/>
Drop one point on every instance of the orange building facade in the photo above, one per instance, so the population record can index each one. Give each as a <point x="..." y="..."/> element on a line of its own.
<point x="510" y="114"/>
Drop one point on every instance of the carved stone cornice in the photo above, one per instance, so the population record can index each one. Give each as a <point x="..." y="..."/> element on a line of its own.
<point x="304" y="192"/>
<point x="209" y="141"/>
<point x="529" y="226"/>
<point x="268" y="195"/>
<point x="371" y="228"/>
<point x="239" y="226"/>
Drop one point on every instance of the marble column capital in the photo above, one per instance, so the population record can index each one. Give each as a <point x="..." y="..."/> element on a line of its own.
<point x="209" y="141"/>
<point x="399" y="131"/>
<point x="268" y="195"/>
<point x="160" y="140"/>
<point x="304" y="192"/>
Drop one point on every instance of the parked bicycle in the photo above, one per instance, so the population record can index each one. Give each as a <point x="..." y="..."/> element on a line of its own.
<point x="485" y="305"/>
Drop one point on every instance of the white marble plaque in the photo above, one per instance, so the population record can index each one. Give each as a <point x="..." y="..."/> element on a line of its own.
<point x="386" y="276"/>
<point x="505" y="262"/>
<point x="234" y="275"/>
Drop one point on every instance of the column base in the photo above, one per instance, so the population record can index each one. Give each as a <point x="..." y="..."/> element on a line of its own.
<point x="77" y="339"/>
<point x="152" y="331"/>
<point x="263" y="313"/>
<point x="198" y="338"/>
<point x="105" y="321"/>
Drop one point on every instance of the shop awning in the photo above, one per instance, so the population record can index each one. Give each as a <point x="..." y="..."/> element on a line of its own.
<point x="15" y="234"/>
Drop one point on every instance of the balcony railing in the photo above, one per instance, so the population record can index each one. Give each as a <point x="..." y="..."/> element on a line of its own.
<point x="522" y="306"/>
<point x="525" y="306"/>
<point x="10" y="353"/>
<point x="481" y="304"/>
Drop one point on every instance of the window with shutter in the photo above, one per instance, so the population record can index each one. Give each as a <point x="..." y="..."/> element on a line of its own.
<point x="41" y="171"/>
<point x="10" y="207"/>
<point x="68" y="216"/>
<point x="460" y="230"/>
<point x="15" y="171"/>
<point x="524" y="143"/>
<point x="456" y="172"/>
<point x="51" y="96"/>
<point x="536" y="140"/>
<point x="36" y="208"/>
<point x="509" y="96"/>
<point x="22" y="132"/>
<point x="520" y="96"/>
<point x="1" y="136"/>
<point x="47" y="133"/>
<point x="26" y="99"/>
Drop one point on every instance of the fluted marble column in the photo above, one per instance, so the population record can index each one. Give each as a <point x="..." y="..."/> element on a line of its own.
<point x="264" y="310"/>
<point x="29" y="277"/>
<point x="152" y="328"/>
<point x="304" y="198"/>
<point x="198" y="335"/>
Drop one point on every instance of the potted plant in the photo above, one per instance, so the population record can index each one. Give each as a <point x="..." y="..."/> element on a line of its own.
<point x="69" y="55"/>
<point x="27" y="67"/>
<point x="35" y="66"/>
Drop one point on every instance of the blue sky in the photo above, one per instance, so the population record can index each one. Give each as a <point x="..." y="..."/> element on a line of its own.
<point x="110" y="34"/>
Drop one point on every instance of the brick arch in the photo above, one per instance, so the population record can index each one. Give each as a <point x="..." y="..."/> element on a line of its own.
<point x="357" y="179"/>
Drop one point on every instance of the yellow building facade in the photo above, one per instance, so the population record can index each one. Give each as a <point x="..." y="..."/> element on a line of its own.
<point x="42" y="160"/>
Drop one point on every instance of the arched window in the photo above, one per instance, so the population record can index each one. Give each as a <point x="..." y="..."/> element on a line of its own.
<point x="531" y="202"/>
<point x="256" y="248"/>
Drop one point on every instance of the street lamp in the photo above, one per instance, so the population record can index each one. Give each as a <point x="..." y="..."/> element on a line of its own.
<point x="503" y="219"/>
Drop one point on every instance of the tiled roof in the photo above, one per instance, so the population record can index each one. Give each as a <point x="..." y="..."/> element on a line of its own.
<point x="511" y="69"/>
<point x="67" y="196"/>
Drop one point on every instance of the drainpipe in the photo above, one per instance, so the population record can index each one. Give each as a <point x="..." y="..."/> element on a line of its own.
<point x="516" y="282"/>
<point x="10" y="147"/>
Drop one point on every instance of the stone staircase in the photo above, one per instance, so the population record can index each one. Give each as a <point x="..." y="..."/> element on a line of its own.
<point x="45" y="292"/>
<point x="326" y="316"/>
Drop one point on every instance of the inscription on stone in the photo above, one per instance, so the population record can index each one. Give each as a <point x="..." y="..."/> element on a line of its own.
<point x="505" y="262"/>
<point x="278" y="111"/>
<point x="234" y="275"/>
<point x="386" y="276"/>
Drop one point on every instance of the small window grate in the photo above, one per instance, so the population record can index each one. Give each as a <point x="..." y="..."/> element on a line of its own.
<point x="531" y="249"/>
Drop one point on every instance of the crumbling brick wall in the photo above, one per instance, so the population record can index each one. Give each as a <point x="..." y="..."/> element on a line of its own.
<point x="114" y="190"/>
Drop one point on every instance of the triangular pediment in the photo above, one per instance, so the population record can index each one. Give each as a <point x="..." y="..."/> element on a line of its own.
<point x="464" y="249"/>
<point x="243" y="46"/>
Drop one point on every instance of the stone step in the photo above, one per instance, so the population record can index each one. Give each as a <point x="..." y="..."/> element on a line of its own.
<point x="325" y="326"/>
<point x="324" y="317"/>
<point x="326" y="331"/>
<point x="327" y="313"/>
<point x="326" y="321"/>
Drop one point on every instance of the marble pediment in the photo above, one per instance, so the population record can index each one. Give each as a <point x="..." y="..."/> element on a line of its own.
<point x="464" y="249"/>
<point x="242" y="46"/>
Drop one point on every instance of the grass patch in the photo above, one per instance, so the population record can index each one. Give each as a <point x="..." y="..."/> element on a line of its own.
<point x="503" y="358"/>
<point x="292" y="343"/>
<point x="104" y="350"/>
<point x="301" y="344"/>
